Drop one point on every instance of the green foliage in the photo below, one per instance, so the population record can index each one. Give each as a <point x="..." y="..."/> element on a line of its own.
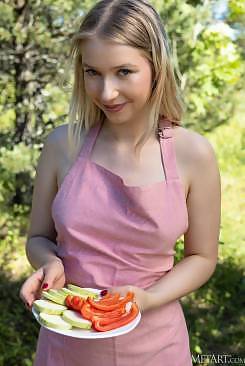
<point x="214" y="313"/>
<point x="208" y="63"/>
<point x="18" y="329"/>
<point x="228" y="142"/>
<point x="236" y="10"/>
<point x="212" y="74"/>
<point x="17" y="170"/>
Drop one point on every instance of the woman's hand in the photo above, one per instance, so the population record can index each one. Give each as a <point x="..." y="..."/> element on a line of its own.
<point x="142" y="298"/>
<point x="51" y="275"/>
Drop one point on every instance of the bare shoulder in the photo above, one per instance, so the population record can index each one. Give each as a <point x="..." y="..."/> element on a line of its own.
<point x="193" y="146"/>
<point x="196" y="158"/>
<point x="58" y="137"/>
<point x="60" y="150"/>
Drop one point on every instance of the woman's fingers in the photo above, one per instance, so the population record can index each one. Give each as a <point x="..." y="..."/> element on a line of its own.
<point x="54" y="274"/>
<point x="49" y="276"/>
<point x="30" y="289"/>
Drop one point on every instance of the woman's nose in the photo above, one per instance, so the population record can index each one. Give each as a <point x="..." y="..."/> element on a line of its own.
<point x="108" y="92"/>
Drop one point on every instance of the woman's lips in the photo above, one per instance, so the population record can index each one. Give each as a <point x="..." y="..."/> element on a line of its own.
<point x="117" y="108"/>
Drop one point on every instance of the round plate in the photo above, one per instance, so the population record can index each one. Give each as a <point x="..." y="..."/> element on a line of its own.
<point x="91" y="333"/>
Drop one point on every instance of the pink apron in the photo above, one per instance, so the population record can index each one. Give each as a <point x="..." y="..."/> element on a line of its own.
<point x="111" y="234"/>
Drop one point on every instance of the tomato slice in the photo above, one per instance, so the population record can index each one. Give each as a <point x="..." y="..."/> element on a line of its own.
<point x="68" y="301"/>
<point x="77" y="302"/>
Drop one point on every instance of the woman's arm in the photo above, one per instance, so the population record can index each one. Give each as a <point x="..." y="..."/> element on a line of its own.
<point x="41" y="247"/>
<point x="201" y="238"/>
<point x="40" y="250"/>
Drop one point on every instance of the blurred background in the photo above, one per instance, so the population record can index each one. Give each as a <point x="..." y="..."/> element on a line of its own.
<point x="207" y="39"/>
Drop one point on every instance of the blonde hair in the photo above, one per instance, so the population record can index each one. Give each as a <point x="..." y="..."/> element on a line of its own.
<point x="133" y="23"/>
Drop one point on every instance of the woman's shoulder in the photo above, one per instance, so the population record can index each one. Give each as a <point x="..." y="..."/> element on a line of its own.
<point x="195" y="156"/>
<point x="59" y="137"/>
<point x="192" y="145"/>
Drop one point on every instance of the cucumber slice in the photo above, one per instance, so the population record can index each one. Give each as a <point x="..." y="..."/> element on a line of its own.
<point x="58" y="293"/>
<point x="57" y="299"/>
<point x="67" y="291"/>
<point x="54" y="321"/>
<point x="91" y="293"/>
<point x="48" y="307"/>
<point x="76" y="320"/>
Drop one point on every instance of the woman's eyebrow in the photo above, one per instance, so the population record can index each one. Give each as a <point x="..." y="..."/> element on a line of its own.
<point x="116" y="67"/>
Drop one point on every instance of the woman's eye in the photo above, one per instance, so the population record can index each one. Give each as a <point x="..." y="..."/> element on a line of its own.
<point x="124" y="72"/>
<point x="90" y="70"/>
<point x="127" y="71"/>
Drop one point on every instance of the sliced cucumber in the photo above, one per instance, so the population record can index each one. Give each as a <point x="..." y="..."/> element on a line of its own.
<point x="57" y="292"/>
<point x="67" y="291"/>
<point x="57" y="299"/>
<point x="48" y="307"/>
<point x="82" y="291"/>
<point x="75" y="319"/>
<point x="54" y="321"/>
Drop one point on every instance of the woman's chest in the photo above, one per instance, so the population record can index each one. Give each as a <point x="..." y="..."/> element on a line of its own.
<point x="150" y="171"/>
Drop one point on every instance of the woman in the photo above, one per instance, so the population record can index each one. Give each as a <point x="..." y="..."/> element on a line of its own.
<point x="118" y="186"/>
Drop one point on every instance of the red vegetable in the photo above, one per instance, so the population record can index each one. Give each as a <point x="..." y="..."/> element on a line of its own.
<point x="68" y="301"/>
<point x="111" y="299"/>
<point x="74" y="302"/>
<point x="110" y="314"/>
<point x="101" y="306"/>
<point x="103" y="325"/>
<point x="88" y="311"/>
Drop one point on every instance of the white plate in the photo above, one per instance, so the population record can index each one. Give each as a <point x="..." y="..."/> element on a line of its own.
<point x="91" y="333"/>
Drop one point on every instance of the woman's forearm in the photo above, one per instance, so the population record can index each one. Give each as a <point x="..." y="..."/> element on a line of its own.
<point x="186" y="276"/>
<point x="40" y="250"/>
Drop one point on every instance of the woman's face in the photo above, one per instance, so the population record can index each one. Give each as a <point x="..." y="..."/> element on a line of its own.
<point x="116" y="74"/>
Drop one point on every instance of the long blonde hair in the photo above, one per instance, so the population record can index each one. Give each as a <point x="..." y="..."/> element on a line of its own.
<point x="133" y="23"/>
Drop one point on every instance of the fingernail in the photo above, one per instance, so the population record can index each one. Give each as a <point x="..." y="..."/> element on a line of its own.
<point x="45" y="285"/>
<point x="103" y="292"/>
<point x="27" y="305"/>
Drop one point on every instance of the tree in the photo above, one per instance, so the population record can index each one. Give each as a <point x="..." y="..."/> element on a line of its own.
<point x="34" y="40"/>
<point x="207" y="62"/>
<point x="34" y="43"/>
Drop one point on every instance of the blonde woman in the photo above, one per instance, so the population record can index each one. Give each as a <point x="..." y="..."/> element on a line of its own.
<point x="115" y="189"/>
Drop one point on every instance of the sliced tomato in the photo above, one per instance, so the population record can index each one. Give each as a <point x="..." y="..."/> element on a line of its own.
<point x="77" y="302"/>
<point x="103" y="325"/>
<point x="68" y="301"/>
